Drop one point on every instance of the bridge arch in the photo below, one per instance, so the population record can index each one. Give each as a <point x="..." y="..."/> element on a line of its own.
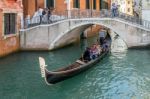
<point x="51" y="36"/>
<point x="118" y="43"/>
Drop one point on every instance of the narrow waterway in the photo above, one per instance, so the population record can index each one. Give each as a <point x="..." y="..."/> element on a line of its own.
<point x="118" y="76"/>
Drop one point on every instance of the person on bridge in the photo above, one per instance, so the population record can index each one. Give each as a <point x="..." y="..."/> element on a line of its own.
<point x="39" y="12"/>
<point x="49" y="13"/>
<point x="114" y="9"/>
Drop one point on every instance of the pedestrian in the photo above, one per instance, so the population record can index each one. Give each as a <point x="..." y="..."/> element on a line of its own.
<point x="114" y="10"/>
<point x="40" y="11"/>
<point x="44" y="12"/>
<point x="49" y="15"/>
<point x="27" y="21"/>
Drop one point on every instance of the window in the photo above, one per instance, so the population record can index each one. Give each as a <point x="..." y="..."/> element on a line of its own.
<point x="128" y="9"/>
<point x="9" y="23"/>
<point x="87" y="4"/>
<point x="94" y="4"/>
<point x="128" y="2"/>
<point x="50" y="3"/>
<point x="76" y="3"/>
<point x="103" y="4"/>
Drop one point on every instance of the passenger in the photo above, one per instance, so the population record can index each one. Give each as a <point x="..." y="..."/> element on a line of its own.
<point x="86" y="55"/>
<point x="94" y="52"/>
<point x="99" y="49"/>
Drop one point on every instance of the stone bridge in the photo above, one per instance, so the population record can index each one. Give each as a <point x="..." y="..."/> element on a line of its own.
<point x="61" y="33"/>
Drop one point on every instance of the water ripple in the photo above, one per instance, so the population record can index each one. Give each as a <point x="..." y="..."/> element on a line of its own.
<point x="118" y="76"/>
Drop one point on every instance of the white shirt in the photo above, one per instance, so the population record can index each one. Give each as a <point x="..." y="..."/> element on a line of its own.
<point x="40" y="11"/>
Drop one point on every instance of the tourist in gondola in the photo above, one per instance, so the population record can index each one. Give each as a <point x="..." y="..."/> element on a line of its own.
<point x="94" y="52"/>
<point x="99" y="49"/>
<point x="86" y="55"/>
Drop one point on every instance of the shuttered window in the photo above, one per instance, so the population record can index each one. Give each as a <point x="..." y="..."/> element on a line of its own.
<point x="50" y="3"/>
<point x="87" y="4"/>
<point x="94" y="4"/>
<point x="9" y="23"/>
<point x="76" y="3"/>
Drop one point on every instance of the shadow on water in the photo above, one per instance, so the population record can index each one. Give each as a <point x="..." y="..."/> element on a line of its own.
<point x="147" y="47"/>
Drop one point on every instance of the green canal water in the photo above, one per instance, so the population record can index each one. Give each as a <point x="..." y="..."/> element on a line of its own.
<point x="118" y="76"/>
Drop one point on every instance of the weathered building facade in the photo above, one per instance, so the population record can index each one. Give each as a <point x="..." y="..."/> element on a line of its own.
<point x="141" y="9"/>
<point x="124" y="6"/>
<point x="61" y="7"/>
<point x="30" y="6"/>
<point x="10" y="15"/>
<point x="146" y="10"/>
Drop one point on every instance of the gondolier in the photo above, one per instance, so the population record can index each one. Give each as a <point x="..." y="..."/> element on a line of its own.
<point x="102" y="35"/>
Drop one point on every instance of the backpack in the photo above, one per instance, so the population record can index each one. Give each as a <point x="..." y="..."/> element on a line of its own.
<point x="43" y="12"/>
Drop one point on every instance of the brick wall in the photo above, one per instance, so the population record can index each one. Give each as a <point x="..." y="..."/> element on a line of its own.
<point x="60" y="5"/>
<point x="93" y="30"/>
<point x="9" y="43"/>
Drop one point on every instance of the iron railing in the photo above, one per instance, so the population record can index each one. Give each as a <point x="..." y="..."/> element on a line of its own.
<point x="76" y="14"/>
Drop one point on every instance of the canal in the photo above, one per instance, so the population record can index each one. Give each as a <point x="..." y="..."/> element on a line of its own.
<point x="118" y="76"/>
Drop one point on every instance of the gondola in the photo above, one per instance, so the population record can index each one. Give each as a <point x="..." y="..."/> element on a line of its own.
<point x="53" y="77"/>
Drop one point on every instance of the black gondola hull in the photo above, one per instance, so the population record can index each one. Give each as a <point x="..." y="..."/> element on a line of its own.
<point x="55" y="77"/>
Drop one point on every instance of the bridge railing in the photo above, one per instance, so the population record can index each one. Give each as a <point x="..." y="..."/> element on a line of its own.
<point x="57" y="16"/>
<point x="134" y="20"/>
<point x="76" y="14"/>
<point x="45" y="19"/>
<point x="88" y="13"/>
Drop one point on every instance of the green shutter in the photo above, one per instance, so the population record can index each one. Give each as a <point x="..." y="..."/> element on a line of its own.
<point x="50" y="3"/>
<point x="6" y="24"/>
<point x="103" y="4"/>
<point x="94" y="4"/>
<point x="76" y="3"/>
<point x="87" y="4"/>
